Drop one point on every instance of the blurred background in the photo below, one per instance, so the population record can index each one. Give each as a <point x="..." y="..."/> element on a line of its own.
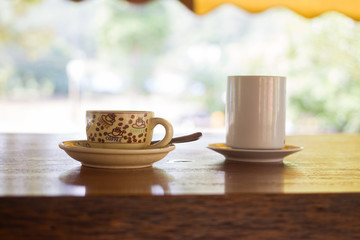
<point x="61" y="58"/>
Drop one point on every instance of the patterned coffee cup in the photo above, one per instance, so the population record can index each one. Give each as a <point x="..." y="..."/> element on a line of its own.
<point x="125" y="129"/>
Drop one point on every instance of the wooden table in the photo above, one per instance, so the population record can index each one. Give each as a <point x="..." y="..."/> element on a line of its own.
<point x="193" y="193"/>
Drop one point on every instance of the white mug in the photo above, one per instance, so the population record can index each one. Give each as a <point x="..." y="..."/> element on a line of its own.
<point x="256" y="112"/>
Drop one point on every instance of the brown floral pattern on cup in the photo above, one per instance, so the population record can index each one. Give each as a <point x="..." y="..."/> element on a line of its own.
<point x="139" y="123"/>
<point x="110" y="128"/>
<point x="107" y="120"/>
<point x="117" y="132"/>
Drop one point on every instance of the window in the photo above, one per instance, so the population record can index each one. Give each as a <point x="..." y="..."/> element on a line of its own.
<point x="110" y="54"/>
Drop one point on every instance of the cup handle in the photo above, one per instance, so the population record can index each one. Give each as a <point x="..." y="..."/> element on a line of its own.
<point x="168" y="132"/>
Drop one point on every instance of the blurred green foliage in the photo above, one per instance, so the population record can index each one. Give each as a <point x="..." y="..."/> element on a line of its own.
<point x="31" y="62"/>
<point x="319" y="56"/>
<point x="133" y="37"/>
<point x="330" y="58"/>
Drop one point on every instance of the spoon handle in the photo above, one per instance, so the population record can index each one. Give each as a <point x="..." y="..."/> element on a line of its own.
<point x="182" y="139"/>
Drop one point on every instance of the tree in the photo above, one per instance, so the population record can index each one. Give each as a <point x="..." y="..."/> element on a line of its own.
<point x="132" y="37"/>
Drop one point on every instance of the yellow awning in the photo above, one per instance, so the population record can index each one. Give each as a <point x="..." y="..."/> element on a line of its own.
<point x="306" y="8"/>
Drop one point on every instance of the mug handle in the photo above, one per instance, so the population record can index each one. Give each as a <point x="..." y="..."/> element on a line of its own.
<point x="168" y="132"/>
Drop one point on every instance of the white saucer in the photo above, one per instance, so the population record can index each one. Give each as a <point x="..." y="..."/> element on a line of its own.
<point x="113" y="158"/>
<point x="254" y="155"/>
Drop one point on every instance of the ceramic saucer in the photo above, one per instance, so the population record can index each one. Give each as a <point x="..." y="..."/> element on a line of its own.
<point x="254" y="155"/>
<point x="113" y="158"/>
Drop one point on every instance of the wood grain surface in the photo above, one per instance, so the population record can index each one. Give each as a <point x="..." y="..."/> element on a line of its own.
<point x="193" y="193"/>
<point x="34" y="165"/>
<point x="247" y="216"/>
